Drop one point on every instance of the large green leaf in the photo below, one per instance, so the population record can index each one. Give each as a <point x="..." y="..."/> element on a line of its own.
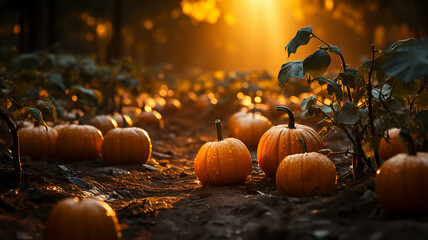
<point x="405" y="60"/>
<point x="293" y="69"/>
<point x="302" y="38"/>
<point x="317" y="63"/>
<point x="332" y="87"/>
<point x="30" y="112"/>
<point x="350" y="114"/>
<point x="349" y="78"/>
<point x="308" y="102"/>
<point x="384" y="93"/>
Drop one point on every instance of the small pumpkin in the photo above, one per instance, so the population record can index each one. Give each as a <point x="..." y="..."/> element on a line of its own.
<point x="120" y="119"/>
<point x="249" y="128"/>
<point x="223" y="162"/>
<point x="77" y="143"/>
<point x="391" y="147"/>
<point x="104" y="123"/>
<point x="231" y="122"/>
<point x="149" y="119"/>
<point x="38" y="141"/>
<point x="71" y="219"/>
<point x="283" y="140"/>
<point x="306" y="174"/>
<point x="128" y="145"/>
<point x="172" y="105"/>
<point x="402" y="182"/>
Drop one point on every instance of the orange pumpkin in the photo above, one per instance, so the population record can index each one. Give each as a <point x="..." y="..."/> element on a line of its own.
<point x="59" y="127"/>
<point x="77" y="143"/>
<point x="89" y="219"/>
<point x="223" y="162"/>
<point x="402" y="182"/>
<point x="129" y="145"/>
<point x="393" y="146"/>
<point x="149" y="119"/>
<point x="282" y="140"/>
<point x="231" y="122"/>
<point x="119" y="120"/>
<point x="172" y="105"/>
<point x="104" y="123"/>
<point x="249" y="128"/>
<point x="306" y="174"/>
<point x="37" y="142"/>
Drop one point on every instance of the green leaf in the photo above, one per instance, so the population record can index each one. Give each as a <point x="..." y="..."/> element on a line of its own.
<point x="30" y="112"/>
<point x="48" y="110"/>
<point x="384" y="92"/>
<point x="302" y="38"/>
<point x="55" y="80"/>
<point x="92" y="93"/>
<point x="293" y="69"/>
<point x="308" y="102"/>
<point x="349" y="78"/>
<point x="334" y="49"/>
<point x="405" y="60"/>
<point x="422" y="118"/>
<point x="350" y="114"/>
<point x="332" y="87"/>
<point x="317" y="63"/>
<point x="28" y="61"/>
<point x="405" y="89"/>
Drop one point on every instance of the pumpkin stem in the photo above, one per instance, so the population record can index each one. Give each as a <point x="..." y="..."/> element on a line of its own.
<point x="15" y="146"/>
<point x="219" y="130"/>
<point x="36" y="123"/>
<point x="290" y="115"/>
<point x="303" y="145"/>
<point x="125" y="123"/>
<point x="408" y="142"/>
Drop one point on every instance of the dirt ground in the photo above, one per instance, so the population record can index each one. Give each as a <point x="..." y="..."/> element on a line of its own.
<point x="163" y="199"/>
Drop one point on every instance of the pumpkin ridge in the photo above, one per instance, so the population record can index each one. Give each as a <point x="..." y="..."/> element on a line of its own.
<point x="233" y="155"/>
<point x="218" y="156"/>
<point x="206" y="161"/>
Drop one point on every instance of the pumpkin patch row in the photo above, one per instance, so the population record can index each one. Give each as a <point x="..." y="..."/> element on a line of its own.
<point x="281" y="153"/>
<point x="74" y="143"/>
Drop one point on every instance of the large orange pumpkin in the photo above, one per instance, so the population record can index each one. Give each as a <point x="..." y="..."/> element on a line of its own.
<point x="393" y="146"/>
<point x="79" y="143"/>
<point x="283" y="140"/>
<point x="38" y="142"/>
<point x="249" y="128"/>
<point x="306" y="174"/>
<point x="129" y="145"/>
<point x="88" y="219"/>
<point x="402" y="182"/>
<point x="223" y="162"/>
<point x="104" y="123"/>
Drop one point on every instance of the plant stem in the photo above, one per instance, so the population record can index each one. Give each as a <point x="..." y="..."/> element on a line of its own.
<point x="407" y="139"/>
<point x="370" y="107"/>
<point x="125" y="123"/>
<point x="291" y="124"/>
<point x="326" y="43"/>
<point x="303" y="145"/>
<point x="219" y="130"/>
<point x="342" y="59"/>
<point x="15" y="146"/>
